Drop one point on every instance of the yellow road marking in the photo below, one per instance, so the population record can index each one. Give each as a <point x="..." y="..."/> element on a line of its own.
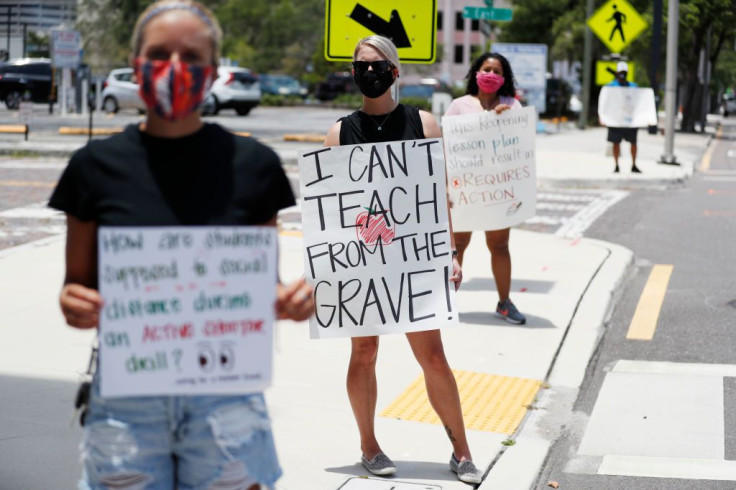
<point x="26" y="183"/>
<point x="85" y="131"/>
<point x="314" y="138"/>
<point x="705" y="164"/>
<point x="490" y="403"/>
<point x="644" y="322"/>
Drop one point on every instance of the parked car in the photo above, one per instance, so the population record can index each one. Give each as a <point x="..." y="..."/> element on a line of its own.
<point x="424" y="89"/>
<point x="335" y="84"/>
<point x="25" y="79"/>
<point x="234" y="88"/>
<point x="558" y="96"/>
<point x="282" y="85"/>
<point x="120" y="91"/>
<point x="728" y="105"/>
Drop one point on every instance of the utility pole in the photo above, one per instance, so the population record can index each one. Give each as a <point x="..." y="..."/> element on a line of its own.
<point x="587" y="61"/>
<point x="670" y="98"/>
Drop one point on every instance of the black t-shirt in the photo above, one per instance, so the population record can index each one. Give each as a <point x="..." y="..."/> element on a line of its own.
<point x="211" y="177"/>
<point x="403" y="123"/>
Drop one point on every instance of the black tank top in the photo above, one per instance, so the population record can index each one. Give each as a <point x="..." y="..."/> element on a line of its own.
<point x="403" y="123"/>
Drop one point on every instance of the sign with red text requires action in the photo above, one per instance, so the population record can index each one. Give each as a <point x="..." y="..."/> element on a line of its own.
<point x="188" y="311"/>
<point x="491" y="168"/>
<point x="376" y="238"/>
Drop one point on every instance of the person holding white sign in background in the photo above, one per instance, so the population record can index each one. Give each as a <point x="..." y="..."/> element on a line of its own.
<point x="491" y="87"/>
<point x="615" y="135"/>
<point x="376" y="68"/>
<point x="172" y="170"/>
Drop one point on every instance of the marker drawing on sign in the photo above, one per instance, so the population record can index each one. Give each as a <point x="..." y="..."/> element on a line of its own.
<point x="393" y="29"/>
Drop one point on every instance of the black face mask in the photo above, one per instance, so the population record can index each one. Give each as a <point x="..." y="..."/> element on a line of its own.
<point x="372" y="84"/>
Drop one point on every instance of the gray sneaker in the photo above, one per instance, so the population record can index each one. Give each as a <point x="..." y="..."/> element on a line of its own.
<point x="508" y="310"/>
<point x="466" y="470"/>
<point x="380" y="465"/>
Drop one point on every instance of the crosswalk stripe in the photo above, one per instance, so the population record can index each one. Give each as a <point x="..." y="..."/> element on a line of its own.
<point x="644" y="322"/>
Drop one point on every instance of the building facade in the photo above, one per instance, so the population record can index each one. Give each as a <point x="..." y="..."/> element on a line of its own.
<point x="18" y="17"/>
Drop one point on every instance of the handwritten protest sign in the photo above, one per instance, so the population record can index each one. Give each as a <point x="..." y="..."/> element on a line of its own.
<point x="627" y="107"/>
<point x="376" y="238"/>
<point x="491" y="168"/>
<point x="187" y="310"/>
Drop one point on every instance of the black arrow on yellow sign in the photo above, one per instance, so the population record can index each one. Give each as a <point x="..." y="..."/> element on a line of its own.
<point x="393" y="29"/>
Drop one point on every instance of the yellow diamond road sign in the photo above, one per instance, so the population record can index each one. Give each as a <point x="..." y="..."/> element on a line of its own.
<point x="617" y="23"/>
<point x="411" y="26"/>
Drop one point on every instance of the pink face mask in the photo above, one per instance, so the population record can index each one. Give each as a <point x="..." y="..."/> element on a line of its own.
<point x="489" y="82"/>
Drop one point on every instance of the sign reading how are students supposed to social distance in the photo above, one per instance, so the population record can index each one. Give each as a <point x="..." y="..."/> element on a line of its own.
<point x="376" y="238"/>
<point x="188" y="311"/>
<point x="491" y="168"/>
<point x="410" y="25"/>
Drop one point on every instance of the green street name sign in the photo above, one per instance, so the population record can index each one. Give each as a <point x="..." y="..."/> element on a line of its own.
<point x="501" y="15"/>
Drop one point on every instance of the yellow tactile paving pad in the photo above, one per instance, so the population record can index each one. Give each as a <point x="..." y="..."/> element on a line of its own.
<point x="490" y="403"/>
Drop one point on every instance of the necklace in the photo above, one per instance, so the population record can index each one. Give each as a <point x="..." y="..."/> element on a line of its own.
<point x="379" y="127"/>
<point x="490" y="105"/>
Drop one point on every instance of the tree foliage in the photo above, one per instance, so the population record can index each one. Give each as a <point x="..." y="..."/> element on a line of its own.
<point x="561" y="25"/>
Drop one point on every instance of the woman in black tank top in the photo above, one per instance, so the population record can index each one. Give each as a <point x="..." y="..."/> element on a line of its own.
<point x="375" y="69"/>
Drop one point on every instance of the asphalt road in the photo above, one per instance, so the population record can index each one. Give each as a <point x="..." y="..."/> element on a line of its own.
<point x="692" y="229"/>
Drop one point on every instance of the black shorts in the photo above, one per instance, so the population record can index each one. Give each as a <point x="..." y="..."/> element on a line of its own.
<point x="615" y="135"/>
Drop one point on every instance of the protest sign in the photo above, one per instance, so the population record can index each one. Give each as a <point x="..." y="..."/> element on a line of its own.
<point x="376" y="237"/>
<point x="627" y="107"/>
<point x="491" y="168"/>
<point x="188" y="311"/>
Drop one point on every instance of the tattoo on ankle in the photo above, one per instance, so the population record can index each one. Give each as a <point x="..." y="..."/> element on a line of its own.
<point x="449" y="433"/>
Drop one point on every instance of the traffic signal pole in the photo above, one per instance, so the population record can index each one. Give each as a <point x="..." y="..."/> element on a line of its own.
<point x="670" y="98"/>
<point x="587" y="75"/>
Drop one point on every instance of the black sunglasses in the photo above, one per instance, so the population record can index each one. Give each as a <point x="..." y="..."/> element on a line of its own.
<point x="380" y="66"/>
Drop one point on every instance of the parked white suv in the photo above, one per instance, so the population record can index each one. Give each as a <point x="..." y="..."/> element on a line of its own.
<point x="234" y="88"/>
<point x="121" y="92"/>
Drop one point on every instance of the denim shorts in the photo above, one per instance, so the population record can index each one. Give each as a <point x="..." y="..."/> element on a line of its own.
<point x="177" y="442"/>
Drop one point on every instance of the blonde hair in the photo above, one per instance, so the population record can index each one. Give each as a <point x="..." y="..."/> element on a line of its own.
<point x="384" y="46"/>
<point x="195" y="8"/>
<point x="387" y="49"/>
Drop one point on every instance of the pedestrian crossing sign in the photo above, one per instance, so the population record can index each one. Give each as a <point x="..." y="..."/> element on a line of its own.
<point x="617" y="24"/>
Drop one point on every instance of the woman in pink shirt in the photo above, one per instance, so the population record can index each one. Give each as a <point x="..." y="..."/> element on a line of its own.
<point x="491" y="88"/>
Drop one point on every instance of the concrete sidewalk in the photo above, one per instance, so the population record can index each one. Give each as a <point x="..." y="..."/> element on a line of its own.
<point x="516" y="381"/>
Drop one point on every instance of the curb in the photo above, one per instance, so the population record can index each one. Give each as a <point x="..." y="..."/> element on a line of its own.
<point x="536" y="435"/>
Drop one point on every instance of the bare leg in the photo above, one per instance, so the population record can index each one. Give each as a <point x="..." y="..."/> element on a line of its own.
<point x="634" y="168"/>
<point x="441" y="387"/>
<point x="363" y="391"/>
<point x="462" y="240"/>
<point x="616" y="154"/>
<point x="498" y="243"/>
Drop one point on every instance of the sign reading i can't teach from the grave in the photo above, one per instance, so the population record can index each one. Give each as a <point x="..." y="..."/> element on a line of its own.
<point x="376" y="237"/>
<point x="491" y="168"/>
<point x="188" y="310"/>
<point x="410" y="25"/>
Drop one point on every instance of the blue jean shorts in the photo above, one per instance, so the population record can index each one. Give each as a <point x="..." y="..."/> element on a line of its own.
<point x="177" y="442"/>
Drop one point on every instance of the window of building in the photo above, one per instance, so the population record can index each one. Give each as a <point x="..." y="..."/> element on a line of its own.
<point x="459" y="54"/>
<point x="439" y="21"/>
<point x="459" y="21"/>
<point x="474" y="25"/>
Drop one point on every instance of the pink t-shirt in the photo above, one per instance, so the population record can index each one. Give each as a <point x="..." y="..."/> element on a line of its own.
<point x="469" y="104"/>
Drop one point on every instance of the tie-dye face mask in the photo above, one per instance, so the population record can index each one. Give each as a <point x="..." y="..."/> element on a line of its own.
<point x="173" y="90"/>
